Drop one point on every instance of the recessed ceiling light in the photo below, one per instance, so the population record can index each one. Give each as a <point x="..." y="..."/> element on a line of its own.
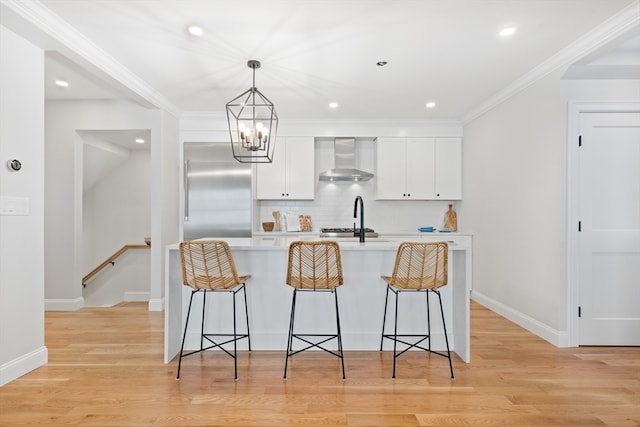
<point x="431" y="104"/>
<point x="140" y="140"/>
<point x="507" y="32"/>
<point x="194" y="30"/>
<point x="62" y="83"/>
<point x="333" y="105"/>
<point x="381" y="63"/>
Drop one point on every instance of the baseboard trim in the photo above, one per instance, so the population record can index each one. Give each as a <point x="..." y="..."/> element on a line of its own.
<point x="156" y="304"/>
<point x="63" y="304"/>
<point x="22" y="365"/>
<point x="137" y="296"/>
<point x="553" y="336"/>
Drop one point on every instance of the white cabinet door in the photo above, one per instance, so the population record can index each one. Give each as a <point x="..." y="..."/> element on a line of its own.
<point x="300" y="173"/>
<point x="270" y="177"/>
<point x="448" y="169"/>
<point x="291" y="175"/>
<point x="406" y="169"/>
<point x="420" y="167"/>
<point x="390" y="169"/>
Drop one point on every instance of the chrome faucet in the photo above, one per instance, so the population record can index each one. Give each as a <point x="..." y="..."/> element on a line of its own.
<point x="355" y="215"/>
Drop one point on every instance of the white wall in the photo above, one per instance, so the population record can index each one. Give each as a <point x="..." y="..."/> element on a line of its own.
<point x="22" y="345"/>
<point x="128" y="280"/>
<point x="165" y="205"/>
<point x="119" y="209"/>
<point x="515" y="186"/>
<point x="117" y="212"/>
<point x="63" y="190"/>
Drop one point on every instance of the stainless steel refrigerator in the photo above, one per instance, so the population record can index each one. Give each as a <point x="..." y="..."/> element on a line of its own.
<point x="217" y="192"/>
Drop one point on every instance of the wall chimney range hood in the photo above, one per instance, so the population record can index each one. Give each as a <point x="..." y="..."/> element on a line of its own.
<point x="345" y="163"/>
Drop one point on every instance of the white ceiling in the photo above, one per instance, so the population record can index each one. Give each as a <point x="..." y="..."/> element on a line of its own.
<point x="317" y="51"/>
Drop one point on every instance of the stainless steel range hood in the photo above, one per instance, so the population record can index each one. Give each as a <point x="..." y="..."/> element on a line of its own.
<point x="345" y="163"/>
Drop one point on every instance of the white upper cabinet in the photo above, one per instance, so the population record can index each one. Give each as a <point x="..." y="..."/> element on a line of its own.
<point x="419" y="169"/>
<point x="404" y="169"/>
<point x="291" y="175"/>
<point x="448" y="163"/>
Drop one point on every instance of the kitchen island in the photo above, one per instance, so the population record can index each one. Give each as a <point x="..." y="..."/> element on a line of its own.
<point x="361" y="298"/>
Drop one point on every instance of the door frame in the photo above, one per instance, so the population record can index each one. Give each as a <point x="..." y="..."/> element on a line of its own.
<point x="573" y="186"/>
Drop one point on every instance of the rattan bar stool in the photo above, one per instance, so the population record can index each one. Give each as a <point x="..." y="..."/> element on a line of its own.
<point x="314" y="266"/>
<point x="419" y="267"/>
<point x="208" y="266"/>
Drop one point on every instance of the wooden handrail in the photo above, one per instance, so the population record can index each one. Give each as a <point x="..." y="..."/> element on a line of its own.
<point x="111" y="260"/>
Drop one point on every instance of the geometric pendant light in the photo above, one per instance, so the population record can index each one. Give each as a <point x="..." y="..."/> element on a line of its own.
<point x="253" y="124"/>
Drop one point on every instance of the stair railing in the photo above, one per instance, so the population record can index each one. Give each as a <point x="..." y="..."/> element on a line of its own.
<point x="111" y="260"/>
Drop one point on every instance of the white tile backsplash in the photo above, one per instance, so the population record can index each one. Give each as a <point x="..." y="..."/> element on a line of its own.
<point x="333" y="204"/>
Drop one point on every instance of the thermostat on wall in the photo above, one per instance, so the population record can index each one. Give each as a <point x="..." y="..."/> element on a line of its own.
<point x="14" y="165"/>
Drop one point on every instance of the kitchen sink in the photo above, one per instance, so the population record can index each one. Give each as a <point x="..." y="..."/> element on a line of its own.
<point x="345" y="233"/>
<point x="355" y="242"/>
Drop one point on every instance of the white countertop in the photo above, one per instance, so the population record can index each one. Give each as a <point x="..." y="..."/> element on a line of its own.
<point x="317" y="233"/>
<point x="282" y="242"/>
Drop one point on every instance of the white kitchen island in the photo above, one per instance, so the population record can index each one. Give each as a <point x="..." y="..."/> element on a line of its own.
<point x="361" y="298"/>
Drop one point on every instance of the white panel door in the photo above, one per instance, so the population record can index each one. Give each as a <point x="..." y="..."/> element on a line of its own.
<point x="609" y="237"/>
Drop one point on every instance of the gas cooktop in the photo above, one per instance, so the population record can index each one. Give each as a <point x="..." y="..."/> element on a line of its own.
<point x="346" y="232"/>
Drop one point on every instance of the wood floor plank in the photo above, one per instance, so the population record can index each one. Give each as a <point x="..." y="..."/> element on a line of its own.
<point x="106" y="369"/>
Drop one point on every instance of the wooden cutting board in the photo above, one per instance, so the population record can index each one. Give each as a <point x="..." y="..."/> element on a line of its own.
<point x="305" y="223"/>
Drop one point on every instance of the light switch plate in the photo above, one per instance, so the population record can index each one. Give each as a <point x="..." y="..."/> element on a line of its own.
<point x="14" y="205"/>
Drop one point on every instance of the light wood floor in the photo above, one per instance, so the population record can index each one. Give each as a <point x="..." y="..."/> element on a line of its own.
<point x="105" y="369"/>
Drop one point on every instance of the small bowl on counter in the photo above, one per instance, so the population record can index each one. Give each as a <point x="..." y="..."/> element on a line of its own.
<point x="268" y="226"/>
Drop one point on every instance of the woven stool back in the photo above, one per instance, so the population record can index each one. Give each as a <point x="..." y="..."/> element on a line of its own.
<point x="314" y="265"/>
<point x="208" y="264"/>
<point x="420" y="265"/>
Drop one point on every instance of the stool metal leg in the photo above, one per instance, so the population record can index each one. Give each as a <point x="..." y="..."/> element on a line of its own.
<point x="204" y="304"/>
<point x="335" y="293"/>
<point x="290" y="338"/>
<point x="384" y="316"/>
<point x="246" y="314"/>
<point x="211" y="341"/>
<point x="235" y="339"/>
<point x="184" y="335"/>
<point x="446" y="339"/>
<point x="312" y="340"/>
<point x="395" y="335"/>
<point x="428" y="321"/>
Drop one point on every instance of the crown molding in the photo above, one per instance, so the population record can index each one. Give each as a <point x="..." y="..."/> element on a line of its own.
<point x="625" y="20"/>
<point x="212" y="115"/>
<point x="71" y="40"/>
